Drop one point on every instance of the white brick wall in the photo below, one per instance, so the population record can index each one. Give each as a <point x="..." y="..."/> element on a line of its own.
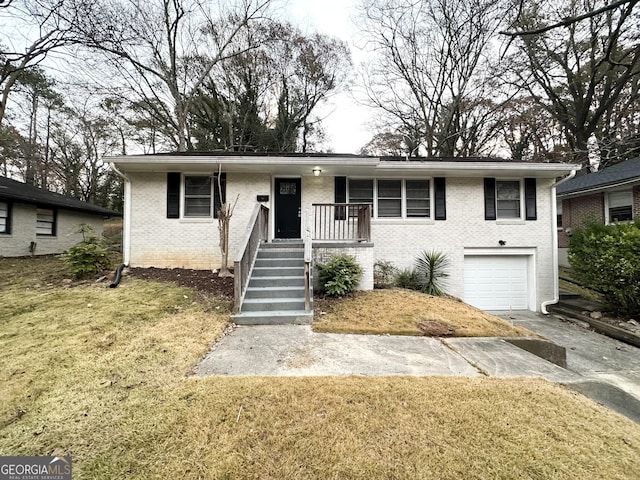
<point x="23" y="231"/>
<point x="401" y="241"/>
<point x="157" y="241"/>
<point x="161" y="242"/>
<point x="363" y="255"/>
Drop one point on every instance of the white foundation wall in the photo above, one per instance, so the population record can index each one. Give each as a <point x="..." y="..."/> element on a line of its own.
<point x="23" y="231"/>
<point x="157" y="241"/>
<point x="362" y="253"/>
<point x="401" y="241"/>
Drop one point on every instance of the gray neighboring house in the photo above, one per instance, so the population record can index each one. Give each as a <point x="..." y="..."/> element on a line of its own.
<point x="609" y="195"/>
<point x="39" y="222"/>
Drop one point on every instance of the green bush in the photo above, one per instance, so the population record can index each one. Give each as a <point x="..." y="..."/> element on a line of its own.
<point x="607" y="258"/>
<point x="88" y="256"/>
<point x="431" y="272"/>
<point x="408" y="278"/>
<point x="384" y="274"/>
<point x="340" y="276"/>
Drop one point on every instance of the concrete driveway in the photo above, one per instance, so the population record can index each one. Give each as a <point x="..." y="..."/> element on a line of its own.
<point x="590" y="354"/>
<point x="602" y="368"/>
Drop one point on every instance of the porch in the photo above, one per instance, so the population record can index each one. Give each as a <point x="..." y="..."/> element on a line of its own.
<point x="328" y="229"/>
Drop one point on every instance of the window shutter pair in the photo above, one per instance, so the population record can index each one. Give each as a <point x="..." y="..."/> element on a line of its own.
<point x="173" y="194"/>
<point x="439" y="185"/>
<point x="529" y="199"/>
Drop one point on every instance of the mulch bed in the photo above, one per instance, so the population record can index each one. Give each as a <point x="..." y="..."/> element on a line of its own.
<point x="201" y="280"/>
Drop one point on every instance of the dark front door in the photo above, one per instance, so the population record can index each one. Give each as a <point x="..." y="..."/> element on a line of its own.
<point x="288" y="207"/>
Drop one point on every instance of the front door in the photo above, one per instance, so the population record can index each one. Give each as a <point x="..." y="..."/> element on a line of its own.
<point x="288" y="207"/>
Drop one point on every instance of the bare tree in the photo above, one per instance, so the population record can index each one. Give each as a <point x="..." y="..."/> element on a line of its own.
<point x="385" y="144"/>
<point x="310" y="69"/>
<point x="267" y="98"/>
<point x="585" y="76"/>
<point x="530" y="132"/>
<point x="431" y="61"/>
<point x="224" y="219"/>
<point x="566" y="21"/>
<point x="166" y="49"/>
<point x="53" y="20"/>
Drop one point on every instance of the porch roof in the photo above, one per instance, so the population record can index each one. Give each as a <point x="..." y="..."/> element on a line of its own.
<point x="336" y="165"/>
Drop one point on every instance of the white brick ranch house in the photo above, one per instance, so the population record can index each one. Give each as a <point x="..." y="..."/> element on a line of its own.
<point x="494" y="219"/>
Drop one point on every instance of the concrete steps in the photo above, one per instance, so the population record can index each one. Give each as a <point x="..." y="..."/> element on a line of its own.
<point x="275" y="293"/>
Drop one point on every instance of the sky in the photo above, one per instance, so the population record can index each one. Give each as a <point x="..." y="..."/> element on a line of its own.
<point x="345" y="122"/>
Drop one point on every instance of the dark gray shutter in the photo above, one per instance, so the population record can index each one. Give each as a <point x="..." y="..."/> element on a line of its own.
<point x="439" y="187"/>
<point x="173" y="195"/>
<point x="54" y="225"/>
<point x="531" y="212"/>
<point x="8" y="224"/>
<point x="489" y="198"/>
<point x="216" y="196"/>
<point x="340" y="196"/>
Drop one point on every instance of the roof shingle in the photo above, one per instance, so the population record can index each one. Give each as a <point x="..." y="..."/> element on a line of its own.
<point x="623" y="172"/>
<point x="23" y="192"/>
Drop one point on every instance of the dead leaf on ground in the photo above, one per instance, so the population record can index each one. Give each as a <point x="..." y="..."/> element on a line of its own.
<point x="435" y="328"/>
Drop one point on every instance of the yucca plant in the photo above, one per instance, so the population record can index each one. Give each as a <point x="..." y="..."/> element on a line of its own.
<point x="431" y="272"/>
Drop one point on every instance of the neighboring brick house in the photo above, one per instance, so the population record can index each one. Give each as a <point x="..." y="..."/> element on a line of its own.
<point x="609" y="195"/>
<point x="38" y="222"/>
<point x="494" y="219"/>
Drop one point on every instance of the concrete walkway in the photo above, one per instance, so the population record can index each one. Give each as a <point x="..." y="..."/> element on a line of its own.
<point x="295" y="350"/>
<point x="602" y="368"/>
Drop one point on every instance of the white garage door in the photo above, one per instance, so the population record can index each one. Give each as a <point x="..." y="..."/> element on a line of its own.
<point x="493" y="282"/>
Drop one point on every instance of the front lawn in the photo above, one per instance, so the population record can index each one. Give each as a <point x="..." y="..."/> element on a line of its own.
<point x="102" y="375"/>
<point x="407" y="312"/>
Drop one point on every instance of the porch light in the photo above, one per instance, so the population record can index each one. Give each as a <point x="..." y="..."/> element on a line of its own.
<point x="316" y="171"/>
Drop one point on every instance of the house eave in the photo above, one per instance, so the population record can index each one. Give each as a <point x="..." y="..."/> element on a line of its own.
<point x="336" y="165"/>
<point x="481" y="169"/>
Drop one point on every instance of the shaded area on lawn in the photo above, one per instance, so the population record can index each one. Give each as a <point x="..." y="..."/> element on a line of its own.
<point x="407" y="312"/>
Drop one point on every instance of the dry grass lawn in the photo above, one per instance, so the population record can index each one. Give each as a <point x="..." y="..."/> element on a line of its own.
<point x="100" y="374"/>
<point x="407" y="312"/>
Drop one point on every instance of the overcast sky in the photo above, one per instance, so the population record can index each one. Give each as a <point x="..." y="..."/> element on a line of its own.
<point x="345" y="123"/>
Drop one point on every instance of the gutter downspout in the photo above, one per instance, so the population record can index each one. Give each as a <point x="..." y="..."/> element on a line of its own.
<point x="126" y="216"/>
<point x="554" y="237"/>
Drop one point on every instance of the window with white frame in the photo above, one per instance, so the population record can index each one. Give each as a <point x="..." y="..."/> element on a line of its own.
<point x="418" y="198"/>
<point x="508" y="199"/>
<point x="389" y="198"/>
<point x="5" y="220"/>
<point x="360" y="191"/>
<point x="45" y="221"/>
<point x="620" y="206"/>
<point x="559" y="214"/>
<point x="198" y="196"/>
<point x="393" y="198"/>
